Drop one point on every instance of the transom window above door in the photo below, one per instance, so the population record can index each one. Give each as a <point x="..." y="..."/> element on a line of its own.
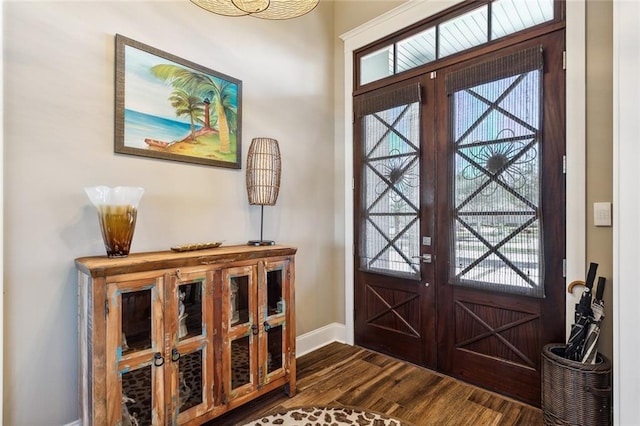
<point x="473" y="26"/>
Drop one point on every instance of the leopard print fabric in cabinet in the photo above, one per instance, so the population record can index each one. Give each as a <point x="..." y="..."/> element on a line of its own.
<point x="136" y="385"/>
<point x="136" y="397"/>
<point x="136" y="389"/>
<point x="240" y="371"/>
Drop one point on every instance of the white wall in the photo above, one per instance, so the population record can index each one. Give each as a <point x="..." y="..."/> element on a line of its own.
<point x="1" y="235"/>
<point x="58" y="138"/>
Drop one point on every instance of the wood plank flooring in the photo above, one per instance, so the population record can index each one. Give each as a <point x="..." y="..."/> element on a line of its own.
<point x="339" y="374"/>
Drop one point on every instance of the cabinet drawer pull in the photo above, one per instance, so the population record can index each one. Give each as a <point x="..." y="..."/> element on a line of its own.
<point x="175" y="355"/>
<point x="157" y="359"/>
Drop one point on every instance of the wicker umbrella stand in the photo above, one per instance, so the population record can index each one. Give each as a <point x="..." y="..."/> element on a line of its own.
<point x="574" y="393"/>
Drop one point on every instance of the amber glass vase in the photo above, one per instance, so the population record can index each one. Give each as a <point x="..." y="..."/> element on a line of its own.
<point x="117" y="212"/>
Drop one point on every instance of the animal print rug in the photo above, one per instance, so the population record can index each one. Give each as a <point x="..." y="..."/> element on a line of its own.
<point x="324" y="416"/>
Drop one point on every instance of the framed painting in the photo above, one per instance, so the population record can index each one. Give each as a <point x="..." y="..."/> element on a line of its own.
<point x="173" y="109"/>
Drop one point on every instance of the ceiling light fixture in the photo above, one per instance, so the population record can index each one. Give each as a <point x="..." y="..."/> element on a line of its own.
<point x="265" y="9"/>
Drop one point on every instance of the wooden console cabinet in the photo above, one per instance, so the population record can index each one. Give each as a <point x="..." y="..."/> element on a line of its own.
<point x="173" y="338"/>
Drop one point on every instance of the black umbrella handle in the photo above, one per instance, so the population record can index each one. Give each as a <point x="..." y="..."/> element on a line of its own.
<point x="600" y="291"/>
<point x="591" y="275"/>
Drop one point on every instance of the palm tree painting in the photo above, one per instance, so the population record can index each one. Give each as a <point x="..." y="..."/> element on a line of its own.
<point x="170" y="108"/>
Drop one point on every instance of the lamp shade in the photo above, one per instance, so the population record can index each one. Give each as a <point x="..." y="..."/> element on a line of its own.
<point x="263" y="172"/>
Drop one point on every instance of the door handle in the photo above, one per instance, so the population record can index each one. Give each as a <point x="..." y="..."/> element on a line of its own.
<point x="426" y="258"/>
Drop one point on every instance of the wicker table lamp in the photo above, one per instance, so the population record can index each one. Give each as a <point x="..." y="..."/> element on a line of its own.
<point x="263" y="178"/>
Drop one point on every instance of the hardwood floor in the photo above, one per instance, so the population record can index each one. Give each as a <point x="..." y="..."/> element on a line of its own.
<point x="339" y="374"/>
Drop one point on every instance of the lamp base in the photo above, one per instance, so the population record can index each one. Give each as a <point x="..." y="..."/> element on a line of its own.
<point x="261" y="243"/>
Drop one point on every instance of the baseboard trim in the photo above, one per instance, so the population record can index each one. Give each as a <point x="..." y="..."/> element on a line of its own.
<point x="308" y="342"/>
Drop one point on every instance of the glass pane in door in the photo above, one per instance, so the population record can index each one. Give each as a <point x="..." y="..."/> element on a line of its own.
<point x="390" y="218"/>
<point x="136" y="321"/>
<point x="190" y="380"/>
<point x="189" y="310"/>
<point x="275" y="301"/>
<point x="239" y="289"/>
<point x="240" y="362"/>
<point x="137" y="394"/>
<point x="497" y="227"/>
<point x="274" y="349"/>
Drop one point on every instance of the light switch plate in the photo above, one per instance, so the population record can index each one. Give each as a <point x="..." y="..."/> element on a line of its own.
<point x="602" y="214"/>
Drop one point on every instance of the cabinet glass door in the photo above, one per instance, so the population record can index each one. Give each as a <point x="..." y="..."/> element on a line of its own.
<point x="189" y="308"/>
<point x="273" y="319"/>
<point x="238" y="317"/>
<point x="135" y="356"/>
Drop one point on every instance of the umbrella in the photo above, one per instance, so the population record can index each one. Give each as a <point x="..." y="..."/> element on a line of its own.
<point x="590" y="349"/>
<point x="582" y="318"/>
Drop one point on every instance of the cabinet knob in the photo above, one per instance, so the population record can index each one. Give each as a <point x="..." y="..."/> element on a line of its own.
<point x="175" y="355"/>
<point x="267" y="327"/>
<point x="158" y="360"/>
<point x="255" y="329"/>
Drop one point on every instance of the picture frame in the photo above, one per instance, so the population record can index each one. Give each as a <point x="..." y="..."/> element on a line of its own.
<point x="170" y="108"/>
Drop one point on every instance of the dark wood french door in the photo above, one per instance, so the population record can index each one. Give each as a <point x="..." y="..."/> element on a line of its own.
<point x="459" y="216"/>
<point x="395" y="289"/>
